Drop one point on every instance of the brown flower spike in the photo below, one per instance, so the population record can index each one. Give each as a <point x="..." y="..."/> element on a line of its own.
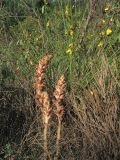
<point x="59" y="95"/>
<point x="39" y="79"/>
<point x="40" y="73"/>
<point x="59" y="111"/>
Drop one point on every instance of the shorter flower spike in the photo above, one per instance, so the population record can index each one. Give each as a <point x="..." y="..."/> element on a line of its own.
<point x="59" y="111"/>
<point x="58" y="97"/>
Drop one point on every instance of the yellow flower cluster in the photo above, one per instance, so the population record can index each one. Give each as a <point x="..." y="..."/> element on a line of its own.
<point x="103" y="21"/>
<point x="108" y="31"/>
<point x="70" y="49"/>
<point x="70" y="32"/>
<point x="100" y="44"/>
<point x="107" y="7"/>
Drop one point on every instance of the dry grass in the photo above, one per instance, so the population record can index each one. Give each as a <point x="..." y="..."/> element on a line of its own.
<point x="91" y="125"/>
<point x="95" y="114"/>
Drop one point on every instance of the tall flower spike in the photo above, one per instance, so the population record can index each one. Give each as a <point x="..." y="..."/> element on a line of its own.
<point x="40" y="72"/>
<point x="42" y="98"/>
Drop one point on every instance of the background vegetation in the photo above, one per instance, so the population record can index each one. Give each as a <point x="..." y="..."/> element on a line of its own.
<point x="84" y="38"/>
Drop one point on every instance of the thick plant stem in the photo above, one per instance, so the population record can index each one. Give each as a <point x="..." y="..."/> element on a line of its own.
<point x="46" y="152"/>
<point x="58" y="139"/>
<point x="45" y="141"/>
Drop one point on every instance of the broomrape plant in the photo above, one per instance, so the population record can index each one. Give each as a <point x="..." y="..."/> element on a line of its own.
<point x="59" y="111"/>
<point x="44" y="102"/>
<point x="42" y="98"/>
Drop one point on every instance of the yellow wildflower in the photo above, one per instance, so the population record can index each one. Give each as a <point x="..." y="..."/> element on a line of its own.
<point x="69" y="51"/>
<point x="103" y="21"/>
<point x="70" y="48"/>
<point x="71" y="45"/>
<point x="107" y="8"/>
<point x="71" y="32"/>
<point x="31" y="63"/>
<point x="100" y="44"/>
<point x="108" y="31"/>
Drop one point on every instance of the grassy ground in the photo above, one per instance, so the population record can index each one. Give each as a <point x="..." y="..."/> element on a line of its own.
<point x="84" y="39"/>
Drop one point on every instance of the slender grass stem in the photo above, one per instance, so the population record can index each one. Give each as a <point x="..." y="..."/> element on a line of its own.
<point x="70" y="69"/>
